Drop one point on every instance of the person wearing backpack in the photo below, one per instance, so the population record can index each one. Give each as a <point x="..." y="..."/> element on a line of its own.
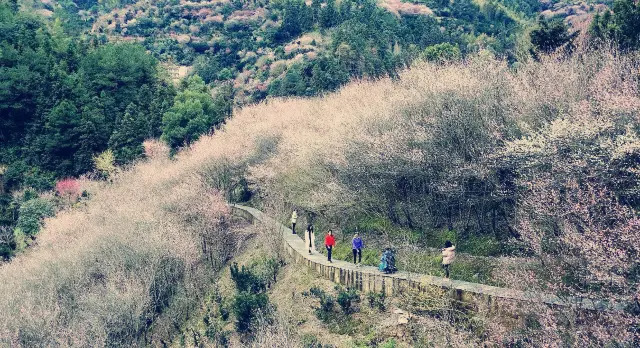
<point x="329" y="243"/>
<point x="448" y="255"/>
<point x="388" y="261"/>
<point x="310" y="238"/>
<point x="357" y="245"/>
<point x="294" y="218"/>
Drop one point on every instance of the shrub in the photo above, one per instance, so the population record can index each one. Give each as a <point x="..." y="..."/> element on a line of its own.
<point x="391" y="343"/>
<point x="218" y="335"/>
<point x="376" y="300"/>
<point x="68" y="188"/>
<point x="20" y="239"/>
<point x="246" y="307"/>
<point x="481" y="246"/>
<point x="326" y="301"/>
<point x="246" y="280"/>
<point x="104" y="164"/>
<point x="266" y="269"/>
<point x="7" y="242"/>
<point x="346" y="299"/>
<point x="310" y="341"/>
<point x="31" y="214"/>
<point x="251" y="299"/>
<point x="442" y="53"/>
<point x="154" y="149"/>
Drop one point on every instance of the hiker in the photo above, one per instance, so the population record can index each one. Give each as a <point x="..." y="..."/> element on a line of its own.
<point x="329" y="243"/>
<point x="294" y="218"/>
<point x="310" y="238"/>
<point x="448" y="255"/>
<point x="388" y="261"/>
<point x="356" y="246"/>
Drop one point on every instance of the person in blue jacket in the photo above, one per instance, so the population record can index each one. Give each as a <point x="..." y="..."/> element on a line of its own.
<point x="357" y="245"/>
<point x="388" y="261"/>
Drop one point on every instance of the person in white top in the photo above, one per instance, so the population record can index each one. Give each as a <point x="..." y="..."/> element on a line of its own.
<point x="294" y="218"/>
<point x="448" y="255"/>
<point x="310" y="238"/>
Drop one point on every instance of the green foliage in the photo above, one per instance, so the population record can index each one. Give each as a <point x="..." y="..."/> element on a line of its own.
<point x="377" y="300"/>
<point x="66" y="98"/>
<point x="620" y="26"/>
<point x="550" y="35"/>
<point x="346" y="298"/>
<point x="193" y="113"/>
<point x="266" y="269"/>
<point x="390" y="343"/>
<point x="339" y="322"/>
<point x="8" y="242"/>
<point x="480" y="245"/>
<point x="246" y="307"/>
<point x="310" y="341"/>
<point x="442" y="53"/>
<point x="32" y="213"/>
<point x="297" y="18"/>
<point x="437" y="238"/>
<point x="251" y="299"/>
<point x="246" y="280"/>
<point x="326" y="301"/>
<point x="364" y="41"/>
<point x="343" y="251"/>
<point x="20" y="240"/>
<point x="471" y="270"/>
<point x="104" y="164"/>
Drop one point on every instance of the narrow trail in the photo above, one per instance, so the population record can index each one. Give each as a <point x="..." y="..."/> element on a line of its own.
<point x="367" y="278"/>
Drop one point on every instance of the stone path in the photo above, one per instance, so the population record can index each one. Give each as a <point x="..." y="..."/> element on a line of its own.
<point x="367" y="278"/>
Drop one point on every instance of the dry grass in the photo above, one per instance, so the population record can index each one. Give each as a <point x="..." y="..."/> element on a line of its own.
<point x="131" y="259"/>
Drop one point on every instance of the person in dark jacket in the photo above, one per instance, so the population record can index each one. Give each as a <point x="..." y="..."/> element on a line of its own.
<point x="356" y="246"/>
<point x="310" y="239"/>
<point x="294" y="219"/>
<point x="329" y="243"/>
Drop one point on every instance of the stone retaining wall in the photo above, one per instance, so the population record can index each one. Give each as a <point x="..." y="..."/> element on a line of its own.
<point x="369" y="279"/>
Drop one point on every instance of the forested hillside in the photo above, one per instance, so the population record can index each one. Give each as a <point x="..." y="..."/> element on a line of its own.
<point x="69" y="101"/>
<point x="281" y="48"/>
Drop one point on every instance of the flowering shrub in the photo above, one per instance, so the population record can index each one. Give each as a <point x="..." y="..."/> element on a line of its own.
<point x="68" y="188"/>
<point x="155" y="149"/>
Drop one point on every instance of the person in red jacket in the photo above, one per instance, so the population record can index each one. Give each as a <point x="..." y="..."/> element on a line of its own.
<point x="329" y="243"/>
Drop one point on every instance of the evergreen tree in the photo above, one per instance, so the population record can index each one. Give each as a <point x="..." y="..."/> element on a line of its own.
<point x="93" y="135"/>
<point x="551" y="35"/>
<point x="329" y="15"/>
<point x="59" y="140"/>
<point x="297" y="18"/>
<point x="126" y="140"/>
<point x="621" y="27"/>
<point x="316" y="9"/>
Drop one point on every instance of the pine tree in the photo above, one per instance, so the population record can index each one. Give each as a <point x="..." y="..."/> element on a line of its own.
<point x="126" y="140"/>
<point x="552" y="35"/>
